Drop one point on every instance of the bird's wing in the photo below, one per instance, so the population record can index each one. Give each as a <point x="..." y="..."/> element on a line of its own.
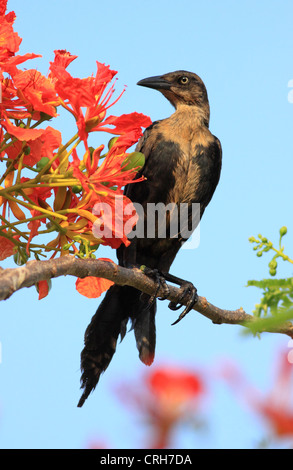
<point x="161" y="157"/>
<point x="142" y="145"/>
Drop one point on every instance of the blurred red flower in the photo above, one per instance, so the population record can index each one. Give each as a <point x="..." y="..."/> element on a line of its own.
<point x="276" y="407"/>
<point x="166" y="397"/>
<point x="173" y="386"/>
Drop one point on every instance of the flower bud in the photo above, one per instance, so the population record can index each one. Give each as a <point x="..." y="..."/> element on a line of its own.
<point x="66" y="246"/>
<point x="27" y="150"/>
<point x="273" y="264"/>
<point x="20" y="258"/>
<point x="41" y="163"/>
<point x="76" y="188"/>
<point x="133" y="160"/>
<point x="45" y="116"/>
<point x="112" y="142"/>
<point x="283" y="231"/>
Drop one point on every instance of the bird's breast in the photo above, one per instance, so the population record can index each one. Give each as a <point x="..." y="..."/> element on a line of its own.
<point x="192" y="169"/>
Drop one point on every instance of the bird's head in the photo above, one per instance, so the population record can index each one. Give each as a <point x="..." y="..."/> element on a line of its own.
<point x="179" y="87"/>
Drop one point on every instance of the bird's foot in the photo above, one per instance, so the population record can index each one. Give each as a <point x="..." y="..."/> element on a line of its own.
<point x="160" y="281"/>
<point x="189" y="290"/>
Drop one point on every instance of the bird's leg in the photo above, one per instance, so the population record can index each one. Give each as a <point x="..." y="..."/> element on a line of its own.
<point x="160" y="280"/>
<point x="187" y="289"/>
<point x="153" y="274"/>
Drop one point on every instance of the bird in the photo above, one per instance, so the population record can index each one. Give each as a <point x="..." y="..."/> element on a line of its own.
<point x="183" y="161"/>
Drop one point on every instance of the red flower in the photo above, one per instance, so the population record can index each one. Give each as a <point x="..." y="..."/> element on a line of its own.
<point x="92" y="287"/>
<point x="168" y="397"/>
<point x="174" y="386"/>
<point x="90" y="93"/>
<point x="63" y="58"/>
<point x="9" y="40"/>
<point x="3" y="6"/>
<point x="280" y="419"/>
<point x="28" y="95"/>
<point x="276" y="408"/>
<point x="106" y="204"/>
<point x="37" y="92"/>
<point x="38" y="143"/>
<point x="116" y="216"/>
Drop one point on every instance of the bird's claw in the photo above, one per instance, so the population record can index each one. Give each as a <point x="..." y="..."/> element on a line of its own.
<point x="187" y="289"/>
<point x="161" y="283"/>
<point x="191" y="291"/>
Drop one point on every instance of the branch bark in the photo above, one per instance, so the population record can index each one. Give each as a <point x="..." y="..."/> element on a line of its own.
<point x="13" y="279"/>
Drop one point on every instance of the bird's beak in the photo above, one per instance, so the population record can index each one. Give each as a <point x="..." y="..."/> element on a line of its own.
<point x="158" y="83"/>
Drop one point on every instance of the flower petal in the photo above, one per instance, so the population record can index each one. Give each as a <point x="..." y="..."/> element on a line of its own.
<point x="43" y="288"/>
<point x="21" y="133"/>
<point x="92" y="287"/>
<point x="6" y="248"/>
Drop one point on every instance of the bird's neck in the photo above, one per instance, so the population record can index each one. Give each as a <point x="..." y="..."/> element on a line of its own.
<point x="191" y="116"/>
<point x="197" y="115"/>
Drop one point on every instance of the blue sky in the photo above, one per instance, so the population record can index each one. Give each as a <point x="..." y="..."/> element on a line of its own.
<point x="243" y="52"/>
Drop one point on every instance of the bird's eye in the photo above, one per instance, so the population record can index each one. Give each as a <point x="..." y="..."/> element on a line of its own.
<point x="183" y="80"/>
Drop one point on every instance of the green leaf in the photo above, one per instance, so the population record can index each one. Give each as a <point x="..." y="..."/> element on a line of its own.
<point x="270" y="283"/>
<point x="270" y="323"/>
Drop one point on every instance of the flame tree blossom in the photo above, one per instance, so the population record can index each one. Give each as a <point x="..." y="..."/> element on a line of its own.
<point x="50" y="189"/>
<point x="165" y="398"/>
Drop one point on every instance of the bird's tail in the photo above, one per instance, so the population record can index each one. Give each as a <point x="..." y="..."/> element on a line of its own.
<point x="110" y="320"/>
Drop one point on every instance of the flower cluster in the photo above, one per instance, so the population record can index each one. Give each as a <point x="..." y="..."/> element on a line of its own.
<point x="47" y="188"/>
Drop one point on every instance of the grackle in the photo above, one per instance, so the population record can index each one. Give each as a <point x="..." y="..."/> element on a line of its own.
<point x="182" y="165"/>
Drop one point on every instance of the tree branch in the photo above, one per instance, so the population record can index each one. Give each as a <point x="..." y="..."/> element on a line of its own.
<point x="15" y="279"/>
